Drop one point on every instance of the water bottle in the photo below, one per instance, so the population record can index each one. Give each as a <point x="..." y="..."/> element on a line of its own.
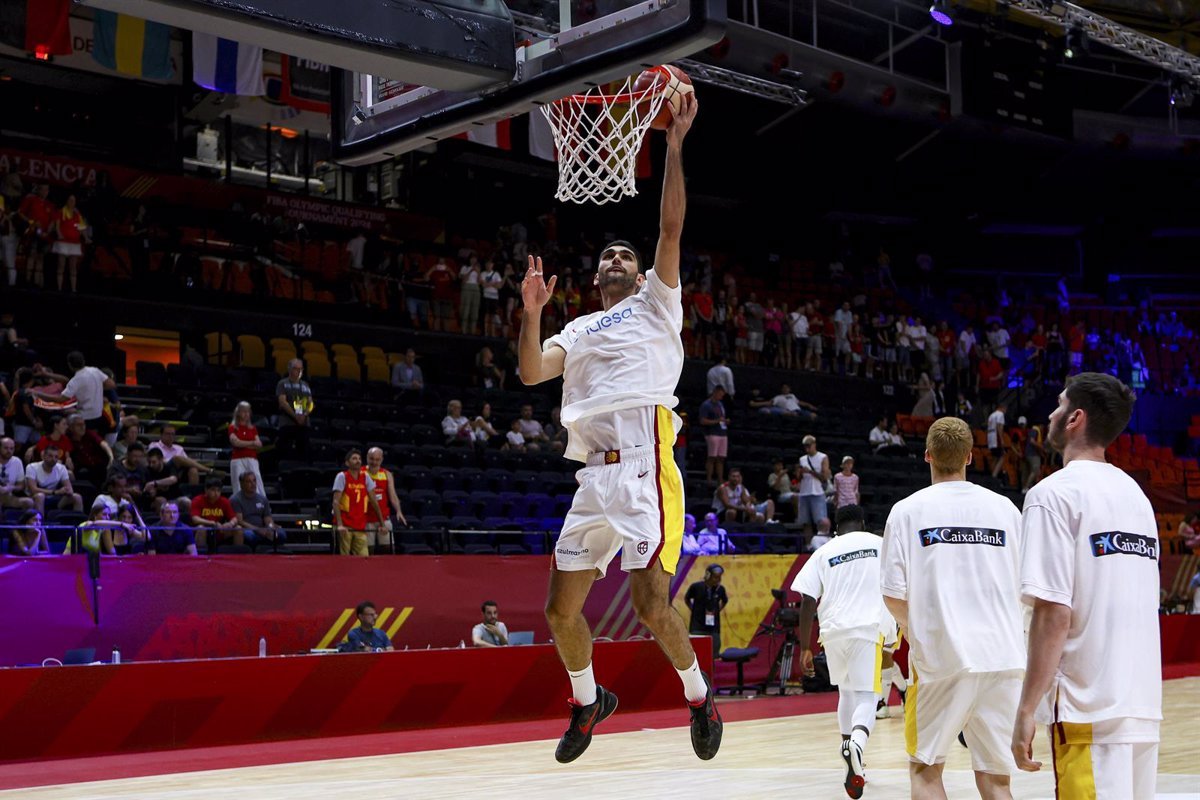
<point x="462" y="644"/>
<point x="116" y="656"/>
<point x="262" y="647"/>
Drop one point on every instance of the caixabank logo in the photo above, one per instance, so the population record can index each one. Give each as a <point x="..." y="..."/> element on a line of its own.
<point x="856" y="555"/>
<point x="1115" y="543"/>
<point x="989" y="536"/>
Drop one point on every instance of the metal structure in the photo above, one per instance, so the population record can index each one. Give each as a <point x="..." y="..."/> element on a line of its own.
<point x="743" y="83"/>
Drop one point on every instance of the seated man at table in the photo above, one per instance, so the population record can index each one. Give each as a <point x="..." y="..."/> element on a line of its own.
<point x="366" y="637"/>
<point x="491" y="632"/>
<point x="170" y="537"/>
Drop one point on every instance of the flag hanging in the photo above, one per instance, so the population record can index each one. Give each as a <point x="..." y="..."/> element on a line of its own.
<point x="41" y="27"/>
<point x="497" y="134"/>
<point x="226" y="66"/>
<point x="131" y="46"/>
<point x="541" y="137"/>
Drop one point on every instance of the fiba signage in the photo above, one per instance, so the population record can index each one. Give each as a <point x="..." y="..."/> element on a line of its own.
<point x="305" y="84"/>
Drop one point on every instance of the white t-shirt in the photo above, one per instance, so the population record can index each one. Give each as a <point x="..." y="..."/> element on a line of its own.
<point x="966" y="343"/>
<point x="1091" y="543"/>
<point x="799" y="325"/>
<point x="12" y="474"/>
<point x="999" y="340"/>
<point x="491" y="284"/>
<point x="87" y="387"/>
<point x="952" y="550"/>
<point x="812" y="484"/>
<point x="481" y="632"/>
<point x="995" y="424"/>
<point x="878" y="437"/>
<point x="719" y="375"/>
<point x="627" y="357"/>
<point x="844" y="575"/>
<point x="916" y="336"/>
<point x="788" y="402"/>
<point x="54" y="479"/>
<point x="168" y="453"/>
<point x="515" y="438"/>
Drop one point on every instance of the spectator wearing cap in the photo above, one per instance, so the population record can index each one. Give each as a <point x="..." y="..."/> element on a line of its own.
<point x="707" y="600"/>
<point x="814" y="474"/>
<point x="845" y="485"/>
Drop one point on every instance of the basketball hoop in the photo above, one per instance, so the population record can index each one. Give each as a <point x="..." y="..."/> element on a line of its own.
<point x="598" y="136"/>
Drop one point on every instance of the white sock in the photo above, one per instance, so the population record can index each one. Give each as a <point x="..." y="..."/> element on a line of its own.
<point x="885" y="683"/>
<point x="898" y="679"/>
<point x="694" y="687"/>
<point x="863" y="718"/>
<point x="583" y="685"/>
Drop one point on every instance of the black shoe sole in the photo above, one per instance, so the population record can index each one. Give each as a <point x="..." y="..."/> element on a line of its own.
<point x="715" y="730"/>
<point x="560" y="758"/>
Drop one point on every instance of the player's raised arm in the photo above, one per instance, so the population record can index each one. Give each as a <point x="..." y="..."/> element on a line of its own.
<point x="537" y="366"/>
<point x="674" y="196"/>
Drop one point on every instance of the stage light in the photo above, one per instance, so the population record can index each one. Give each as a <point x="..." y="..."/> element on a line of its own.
<point x="1180" y="93"/>
<point x="940" y="11"/>
<point x="1076" y="43"/>
<point x="118" y="337"/>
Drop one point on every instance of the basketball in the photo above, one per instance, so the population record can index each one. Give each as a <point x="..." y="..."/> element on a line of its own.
<point x="678" y="84"/>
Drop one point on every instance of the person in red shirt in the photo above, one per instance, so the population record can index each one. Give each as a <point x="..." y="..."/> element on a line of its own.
<point x="946" y="341"/>
<point x="354" y="506"/>
<point x="69" y="230"/>
<point x="702" y="305"/>
<point x="244" y="439"/>
<point x="380" y="528"/>
<point x="989" y="377"/>
<point x="816" y="337"/>
<point x="57" y="436"/>
<point x="36" y="214"/>
<point x="442" y="280"/>
<point x="1075" y="341"/>
<point x="212" y="512"/>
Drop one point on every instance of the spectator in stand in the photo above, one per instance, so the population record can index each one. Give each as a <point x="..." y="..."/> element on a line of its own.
<point x="177" y="457"/>
<point x="789" y="405"/>
<point x="135" y="534"/>
<point x="1189" y="533"/>
<point x="713" y="539"/>
<point x="721" y="321"/>
<point x="417" y="293"/>
<point x="253" y="514"/>
<point x="469" y="278"/>
<point x="457" y="428"/>
<point x="995" y="434"/>
<point x="26" y="422"/>
<point x="924" y="391"/>
<point x="91" y="456"/>
<point x="12" y="478"/>
<point x="917" y="335"/>
<point x="1076" y="340"/>
<point x="56" y="436"/>
<point x="489" y="375"/>
<point x="773" y="318"/>
<point x="704" y="318"/>
<point x="714" y="424"/>
<point x="814" y="475"/>
<point x="483" y="430"/>
<point x="381" y="529"/>
<point x="212" y="513"/>
<point x="783" y="487"/>
<point x="963" y="407"/>
<point x="245" y="443"/>
<point x="36" y="214"/>
<point x="170" y="537"/>
<point x="29" y="537"/>
<point x="946" y="343"/>
<point x="998" y="341"/>
<point x="162" y="484"/>
<point x="406" y="375"/>
<point x="989" y="378"/>
<point x="295" y="401"/>
<point x="70" y="230"/>
<point x="885" y="336"/>
<point x="8" y="241"/>
<point x="737" y="503"/>
<point x="514" y="442"/>
<point x="354" y="506"/>
<point x="1035" y="352"/>
<point x="491" y="632"/>
<point x="720" y="374"/>
<point x="491" y="281"/>
<point x="1033" y="451"/>
<point x="690" y="546"/>
<point x="903" y="350"/>
<point x="531" y="429"/>
<point x="845" y="485"/>
<point x="130" y="429"/>
<point x="48" y="483"/>
<point x="939" y="400"/>
<point x="842" y="319"/>
<point x="441" y="279"/>
<point x="798" y="326"/>
<point x="878" y="437"/>
<point x="104" y="533"/>
<point x="816" y="329"/>
<point x="858" y="349"/>
<point x="821" y="536"/>
<point x="739" y="332"/>
<point x="754" y="329"/>
<point x="556" y="433"/>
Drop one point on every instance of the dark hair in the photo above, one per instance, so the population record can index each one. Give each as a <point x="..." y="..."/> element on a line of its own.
<point x="850" y="514"/>
<point x="213" y="483"/>
<point x="1107" y="402"/>
<point x="134" y="446"/>
<point x="623" y="243"/>
<point x="51" y="446"/>
<point x="25" y="517"/>
<point x="56" y="418"/>
<point x="150" y="452"/>
<point x="486" y="603"/>
<point x="75" y="360"/>
<point x="363" y="606"/>
<point x="353" y="451"/>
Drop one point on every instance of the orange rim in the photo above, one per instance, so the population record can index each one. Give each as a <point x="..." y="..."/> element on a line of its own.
<point x="624" y="97"/>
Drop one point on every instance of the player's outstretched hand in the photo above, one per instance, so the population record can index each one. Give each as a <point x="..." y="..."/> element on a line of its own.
<point x="806" y="663"/>
<point x="1022" y="743"/>
<point x="535" y="292"/>
<point x="682" y="122"/>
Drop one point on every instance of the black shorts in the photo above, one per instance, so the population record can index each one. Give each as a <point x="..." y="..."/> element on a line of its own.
<point x="997" y="451"/>
<point x="489" y="305"/>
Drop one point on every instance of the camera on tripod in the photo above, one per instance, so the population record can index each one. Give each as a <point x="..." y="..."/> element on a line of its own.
<point x="787" y="616"/>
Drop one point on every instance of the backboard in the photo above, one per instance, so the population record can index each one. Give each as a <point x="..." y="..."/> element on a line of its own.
<point x="561" y="48"/>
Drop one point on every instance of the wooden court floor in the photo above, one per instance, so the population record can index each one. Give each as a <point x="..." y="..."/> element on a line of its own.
<point x="794" y="757"/>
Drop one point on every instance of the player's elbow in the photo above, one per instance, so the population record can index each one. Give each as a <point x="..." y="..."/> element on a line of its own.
<point x="528" y="377"/>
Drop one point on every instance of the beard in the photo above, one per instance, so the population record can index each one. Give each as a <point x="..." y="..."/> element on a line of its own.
<point x="1056" y="436"/>
<point x="617" y="282"/>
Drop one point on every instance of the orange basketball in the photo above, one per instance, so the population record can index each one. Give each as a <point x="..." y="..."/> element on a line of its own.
<point x="678" y="84"/>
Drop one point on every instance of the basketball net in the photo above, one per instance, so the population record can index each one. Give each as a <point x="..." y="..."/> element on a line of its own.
<point x="598" y="135"/>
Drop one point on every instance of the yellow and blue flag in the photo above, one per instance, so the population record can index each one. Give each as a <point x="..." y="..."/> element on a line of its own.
<point x="132" y="46"/>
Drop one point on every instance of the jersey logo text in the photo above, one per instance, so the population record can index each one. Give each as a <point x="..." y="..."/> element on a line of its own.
<point x="854" y="556"/>
<point x="1120" y="543"/>
<point x="988" y="536"/>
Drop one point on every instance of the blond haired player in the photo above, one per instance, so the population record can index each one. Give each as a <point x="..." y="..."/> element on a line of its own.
<point x="1090" y="570"/>
<point x="620" y="367"/>
<point x="949" y="567"/>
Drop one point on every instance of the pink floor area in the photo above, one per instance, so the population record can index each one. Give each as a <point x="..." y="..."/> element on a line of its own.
<point x="42" y="773"/>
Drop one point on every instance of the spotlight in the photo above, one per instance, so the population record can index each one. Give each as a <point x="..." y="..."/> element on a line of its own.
<point x="1076" y="43"/>
<point x="940" y="11"/>
<point x="1181" y="93"/>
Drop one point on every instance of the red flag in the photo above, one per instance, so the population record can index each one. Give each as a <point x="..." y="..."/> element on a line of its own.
<point x="42" y="27"/>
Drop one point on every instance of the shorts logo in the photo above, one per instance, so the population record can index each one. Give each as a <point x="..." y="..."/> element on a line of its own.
<point x="642" y="548"/>
<point x="612" y="457"/>
<point x="562" y="551"/>
<point x="855" y="556"/>
<point x="1121" y="543"/>
<point x="988" y="536"/>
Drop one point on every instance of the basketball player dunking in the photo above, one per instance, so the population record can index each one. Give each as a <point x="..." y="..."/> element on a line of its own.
<point x="620" y="367"/>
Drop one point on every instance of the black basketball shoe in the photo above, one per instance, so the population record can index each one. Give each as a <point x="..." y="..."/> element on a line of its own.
<point x="583" y="720"/>
<point x="706" y="725"/>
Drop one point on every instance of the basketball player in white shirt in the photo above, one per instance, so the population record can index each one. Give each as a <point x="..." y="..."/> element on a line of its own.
<point x="949" y="568"/>
<point x="843" y="574"/>
<point x="1090" y="571"/>
<point x="620" y="367"/>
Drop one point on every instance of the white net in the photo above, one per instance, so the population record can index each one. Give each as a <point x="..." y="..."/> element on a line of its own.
<point x="598" y="136"/>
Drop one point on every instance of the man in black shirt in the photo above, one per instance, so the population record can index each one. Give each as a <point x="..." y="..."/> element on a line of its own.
<point x="707" y="599"/>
